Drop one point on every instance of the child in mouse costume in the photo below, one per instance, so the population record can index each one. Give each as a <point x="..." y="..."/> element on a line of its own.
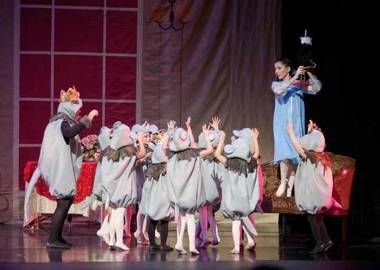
<point x="238" y="185"/>
<point x="255" y="172"/>
<point x="141" y="234"/>
<point x="185" y="186"/>
<point x="209" y="166"/>
<point x="120" y="188"/>
<point x="103" y="168"/>
<point x="155" y="202"/>
<point x="314" y="183"/>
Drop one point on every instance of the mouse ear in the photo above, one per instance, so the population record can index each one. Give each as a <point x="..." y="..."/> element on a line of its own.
<point x="116" y="124"/>
<point x="229" y="149"/>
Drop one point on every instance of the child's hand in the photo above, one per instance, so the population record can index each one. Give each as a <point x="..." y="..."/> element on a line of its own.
<point x="300" y="71"/>
<point x="205" y="130"/>
<point x="215" y="122"/>
<point x="188" y="121"/>
<point x="310" y="126"/>
<point x="171" y="124"/>
<point x="255" y="133"/>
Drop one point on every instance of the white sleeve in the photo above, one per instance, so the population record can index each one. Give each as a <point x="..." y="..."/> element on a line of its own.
<point x="314" y="87"/>
<point x="279" y="88"/>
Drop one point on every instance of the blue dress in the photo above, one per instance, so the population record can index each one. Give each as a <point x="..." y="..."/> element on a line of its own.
<point x="289" y="106"/>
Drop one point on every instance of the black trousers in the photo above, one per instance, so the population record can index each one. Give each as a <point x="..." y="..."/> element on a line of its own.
<point x="318" y="228"/>
<point x="164" y="228"/>
<point x="58" y="220"/>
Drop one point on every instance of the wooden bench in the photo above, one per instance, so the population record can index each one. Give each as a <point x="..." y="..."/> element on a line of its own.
<point x="343" y="171"/>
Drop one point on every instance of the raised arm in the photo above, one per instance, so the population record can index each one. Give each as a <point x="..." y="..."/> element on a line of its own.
<point x="190" y="131"/>
<point x="215" y="122"/>
<point x="279" y="88"/>
<point x="70" y="132"/>
<point x="255" y="138"/>
<point x="315" y="85"/>
<point x="141" y="152"/>
<point x="218" y="153"/>
<point x="165" y="141"/>
<point x="171" y="128"/>
<point x="209" y="148"/>
<point x="295" y="141"/>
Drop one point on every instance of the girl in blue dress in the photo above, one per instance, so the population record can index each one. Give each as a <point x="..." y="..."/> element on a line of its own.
<point x="289" y="107"/>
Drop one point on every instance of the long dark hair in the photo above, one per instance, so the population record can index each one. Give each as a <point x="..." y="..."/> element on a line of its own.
<point x="286" y="62"/>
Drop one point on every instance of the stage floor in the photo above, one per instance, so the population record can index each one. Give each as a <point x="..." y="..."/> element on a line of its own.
<point x="19" y="250"/>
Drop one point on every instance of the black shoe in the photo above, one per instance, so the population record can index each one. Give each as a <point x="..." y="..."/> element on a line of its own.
<point x="154" y="247"/>
<point x="215" y="243"/>
<point x="65" y="242"/>
<point x="317" y="249"/>
<point x="204" y="244"/>
<point x="166" y="248"/>
<point x="328" y="245"/>
<point x="57" y="244"/>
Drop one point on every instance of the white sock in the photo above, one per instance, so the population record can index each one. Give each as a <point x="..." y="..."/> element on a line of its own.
<point x="217" y="233"/>
<point x="112" y="227"/>
<point x="105" y="225"/>
<point x="178" y="227"/>
<point x="144" y="228"/>
<point x="290" y="185"/>
<point x="284" y="180"/>
<point x="181" y="232"/>
<point x="120" y="228"/>
<point x="103" y="232"/>
<point x="139" y="222"/>
<point x="191" y="232"/>
<point x="249" y="237"/>
<point x="236" y="234"/>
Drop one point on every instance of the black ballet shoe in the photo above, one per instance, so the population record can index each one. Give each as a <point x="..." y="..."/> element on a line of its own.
<point x="328" y="245"/>
<point x="65" y="242"/>
<point x="154" y="247"/>
<point x="166" y="248"/>
<point x="57" y="245"/>
<point x="215" y="243"/>
<point x="318" y="249"/>
<point x="204" y="244"/>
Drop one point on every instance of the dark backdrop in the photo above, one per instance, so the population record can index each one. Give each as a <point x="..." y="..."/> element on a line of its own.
<point x="346" y="108"/>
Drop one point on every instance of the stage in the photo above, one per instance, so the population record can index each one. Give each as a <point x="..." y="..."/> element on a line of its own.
<point x="149" y="61"/>
<point x="21" y="250"/>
